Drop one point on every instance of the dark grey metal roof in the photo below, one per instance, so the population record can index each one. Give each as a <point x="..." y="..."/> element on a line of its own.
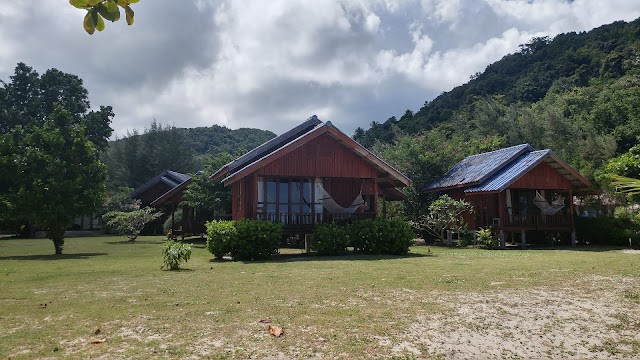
<point x="511" y="172"/>
<point x="270" y="146"/>
<point x="169" y="177"/>
<point x="477" y="168"/>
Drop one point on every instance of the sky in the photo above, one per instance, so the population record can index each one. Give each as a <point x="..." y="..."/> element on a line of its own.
<point x="273" y="64"/>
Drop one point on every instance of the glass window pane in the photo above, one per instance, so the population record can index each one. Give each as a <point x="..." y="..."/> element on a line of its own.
<point x="271" y="191"/>
<point x="271" y="208"/>
<point x="284" y="191"/>
<point x="295" y="192"/>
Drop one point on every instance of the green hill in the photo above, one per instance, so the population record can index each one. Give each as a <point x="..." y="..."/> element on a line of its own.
<point x="136" y="158"/>
<point x="525" y="77"/>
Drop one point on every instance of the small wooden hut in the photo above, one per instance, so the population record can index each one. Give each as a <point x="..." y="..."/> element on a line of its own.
<point x="516" y="190"/>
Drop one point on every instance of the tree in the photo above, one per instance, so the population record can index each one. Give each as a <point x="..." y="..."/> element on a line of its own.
<point x="202" y="194"/>
<point x="130" y="223"/>
<point x="52" y="173"/>
<point x="99" y="10"/>
<point x="444" y="214"/>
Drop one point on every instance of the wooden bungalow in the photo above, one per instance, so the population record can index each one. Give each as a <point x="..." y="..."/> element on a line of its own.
<point x="159" y="188"/>
<point x="516" y="190"/>
<point x="312" y="173"/>
<point x="148" y="192"/>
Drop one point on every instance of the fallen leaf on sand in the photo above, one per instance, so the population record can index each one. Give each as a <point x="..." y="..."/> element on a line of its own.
<point x="276" y="330"/>
<point x="97" y="331"/>
<point x="98" y="341"/>
<point x="265" y="321"/>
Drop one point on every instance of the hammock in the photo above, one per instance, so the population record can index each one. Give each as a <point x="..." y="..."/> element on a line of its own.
<point x="546" y="208"/>
<point x="334" y="208"/>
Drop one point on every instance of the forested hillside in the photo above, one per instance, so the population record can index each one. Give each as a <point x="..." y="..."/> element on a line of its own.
<point x="136" y="158"/>
<point x="578" y="94"/>
<point x="580" y="60"/>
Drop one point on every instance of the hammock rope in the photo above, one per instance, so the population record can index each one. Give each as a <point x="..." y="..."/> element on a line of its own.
<point x="333" y="207"/>
<point x="546" y="208"/>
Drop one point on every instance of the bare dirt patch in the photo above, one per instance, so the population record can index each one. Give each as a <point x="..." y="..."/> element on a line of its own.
<point x="589" y="319"/>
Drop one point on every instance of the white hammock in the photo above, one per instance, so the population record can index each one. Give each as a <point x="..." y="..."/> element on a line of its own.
<point x="334" y="208"/>
<point x="546" y="208"/>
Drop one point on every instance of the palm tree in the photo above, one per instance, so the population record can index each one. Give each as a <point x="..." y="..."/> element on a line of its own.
<point x="626" y="185"/>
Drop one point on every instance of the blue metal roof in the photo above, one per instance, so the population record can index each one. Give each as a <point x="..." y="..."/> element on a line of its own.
<point x="477" y="168"/>
<point x="512" y="172"/>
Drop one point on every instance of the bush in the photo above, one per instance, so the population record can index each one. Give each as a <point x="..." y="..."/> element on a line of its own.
<point x="381" y="236"/>
<point x="243" y="239"/>
<point x="607" y="231"/>
<point x="256" y="240"/>
<point x="220" y="237"/>
<point x="174" y="252"/>
<point x="330" y="239"/>
<point x="486" y="239"/>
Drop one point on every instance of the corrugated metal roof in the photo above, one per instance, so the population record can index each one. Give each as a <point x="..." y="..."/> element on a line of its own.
<point x="477" y="168"/>
<point x="510" y="173"/>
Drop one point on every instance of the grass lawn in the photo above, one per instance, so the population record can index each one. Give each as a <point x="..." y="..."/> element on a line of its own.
<point x="442" y="303"/>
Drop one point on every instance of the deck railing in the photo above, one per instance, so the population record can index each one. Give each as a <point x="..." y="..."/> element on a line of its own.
<point x="538" y="220"/>
<point x="312" y="219"/>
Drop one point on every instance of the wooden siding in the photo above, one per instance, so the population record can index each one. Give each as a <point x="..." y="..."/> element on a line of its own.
<point x="320" y="157"/>
<point x="542" y="176"/>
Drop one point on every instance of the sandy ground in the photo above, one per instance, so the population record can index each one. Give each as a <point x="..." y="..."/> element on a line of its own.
<point x="533" y="324"/>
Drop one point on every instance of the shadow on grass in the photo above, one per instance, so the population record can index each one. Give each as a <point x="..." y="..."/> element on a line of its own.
<point x="348" y="257"/>
<point x="127" y="242"/>
<point x="178" y="270"/>
<point x="52" y="256"/>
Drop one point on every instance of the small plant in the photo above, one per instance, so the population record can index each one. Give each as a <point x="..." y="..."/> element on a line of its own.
<point x="485" y="238"/>
<point x="174" y="253"/>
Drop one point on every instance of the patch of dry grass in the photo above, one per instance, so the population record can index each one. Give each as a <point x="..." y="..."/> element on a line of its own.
<point x="449" y="303"/>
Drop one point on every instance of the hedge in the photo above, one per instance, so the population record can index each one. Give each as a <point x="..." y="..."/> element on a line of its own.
<point x="243" y="239"/>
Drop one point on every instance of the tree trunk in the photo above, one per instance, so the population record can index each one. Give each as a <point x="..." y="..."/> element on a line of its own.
<point x="55" y="232"/>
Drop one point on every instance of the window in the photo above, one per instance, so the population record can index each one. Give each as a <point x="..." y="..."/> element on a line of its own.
<point x="290" y="200"/>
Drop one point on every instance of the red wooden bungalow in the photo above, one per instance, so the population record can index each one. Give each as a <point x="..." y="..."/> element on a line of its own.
<point x="312" y="173"/>
<point x="516" y="190"/>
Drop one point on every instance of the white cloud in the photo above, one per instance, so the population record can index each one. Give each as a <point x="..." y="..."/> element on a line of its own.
<point x="272" y="64"/>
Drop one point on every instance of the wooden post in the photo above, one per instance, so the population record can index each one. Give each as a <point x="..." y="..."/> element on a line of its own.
<point x="501" y="206"/>
<point x="574" y="240"/>
<point x="573" y="228"/>
<point x="384" y="208"/>
<point x="308" y="239"/>
<point x="523" y="238"/>
<point x="254" y="207"/>
<point x="173" y="216"/>
<point x="375" y="196"/>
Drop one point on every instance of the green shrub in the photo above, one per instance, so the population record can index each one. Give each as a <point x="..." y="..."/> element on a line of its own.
<point x="330" y="239"/>
<point x="381" y="236"/>
<point x="486" y="238"/>
<point x="174" y="253"/>
<point x="256" y="239"/>
<point x="607" y="231"/>
<point x="221" y="236"/>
